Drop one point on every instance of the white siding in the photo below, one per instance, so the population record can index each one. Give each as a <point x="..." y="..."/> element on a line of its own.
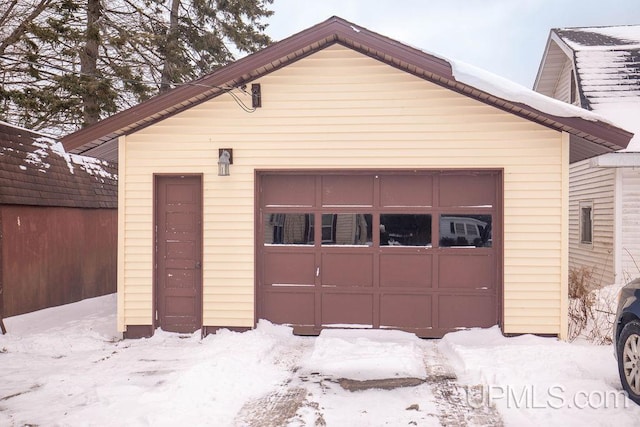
<point x="562" y="90"/>
<point x="340" y="109"/>
<point x="594" y="185"/>
<point x="630" y="239"/>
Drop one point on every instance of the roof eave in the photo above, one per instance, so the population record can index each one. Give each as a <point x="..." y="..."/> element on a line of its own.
<point x="553" y="40"/>
<point x="617" y="160"/>
<point x="543" y="62"/>
<point x="247" y="69"/>
<point x="291" y="49"/>
<point x="598" y="132"/>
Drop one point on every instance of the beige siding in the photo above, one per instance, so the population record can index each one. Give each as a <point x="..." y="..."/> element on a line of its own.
<point x="596" y="186"/>
<point x="630" y="228"/>
<point x="340" y="109"/>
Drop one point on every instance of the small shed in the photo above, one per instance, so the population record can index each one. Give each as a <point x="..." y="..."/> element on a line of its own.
<point x="58" y="224"/>
<point x="370" y="185"/>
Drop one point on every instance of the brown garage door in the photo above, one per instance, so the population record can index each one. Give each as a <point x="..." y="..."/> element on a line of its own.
<point x="417" y="251"/>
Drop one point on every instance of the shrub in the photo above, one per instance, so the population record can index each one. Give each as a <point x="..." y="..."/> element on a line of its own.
<point x="591" y="307"/>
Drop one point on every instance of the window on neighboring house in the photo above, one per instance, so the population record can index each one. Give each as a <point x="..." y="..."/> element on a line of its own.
<point x="573" y="88"/>
<point x="586" y="223"/>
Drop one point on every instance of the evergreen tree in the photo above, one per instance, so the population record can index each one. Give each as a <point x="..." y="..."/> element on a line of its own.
<point x="196" y="40"/>
<point x="67" y="64"/>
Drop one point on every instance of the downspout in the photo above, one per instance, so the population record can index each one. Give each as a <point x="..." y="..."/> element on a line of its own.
<point x="122" y="163"/>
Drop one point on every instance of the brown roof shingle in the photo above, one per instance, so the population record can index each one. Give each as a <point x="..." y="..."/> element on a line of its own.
<point x="36" y="171"/>
<point x="607" y="62"/>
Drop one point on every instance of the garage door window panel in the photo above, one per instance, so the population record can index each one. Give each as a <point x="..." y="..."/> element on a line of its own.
<point x="347" y="229"/>
<point x="465" y="230"/>
<point x="288" y="229"/>
<point x="405" y="229"/>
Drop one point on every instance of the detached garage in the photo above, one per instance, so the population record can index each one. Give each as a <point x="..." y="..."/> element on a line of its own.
<point x="339" y="178"/>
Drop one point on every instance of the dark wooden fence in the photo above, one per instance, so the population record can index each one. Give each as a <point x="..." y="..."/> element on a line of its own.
<point x="52" y="256"/>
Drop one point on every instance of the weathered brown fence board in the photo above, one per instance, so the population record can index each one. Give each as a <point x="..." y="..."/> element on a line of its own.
<point x="55" y="255"/>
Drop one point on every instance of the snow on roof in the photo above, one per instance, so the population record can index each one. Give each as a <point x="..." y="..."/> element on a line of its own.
<point x="514" y="92"/>
<point x="506" y="89"/>
<point x="601" y="38"/>
<point x="90" y="165"/>
<point x="627" y="115"/>
<point x="607" y="61"/>
<point x="509" y="90"/>
<point x="36" y="170"/>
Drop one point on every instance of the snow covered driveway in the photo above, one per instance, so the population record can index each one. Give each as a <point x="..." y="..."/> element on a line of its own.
<point x="65" y="366"/>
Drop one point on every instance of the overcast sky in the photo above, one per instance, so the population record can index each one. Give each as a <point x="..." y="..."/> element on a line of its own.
<point x="506" y="37"/>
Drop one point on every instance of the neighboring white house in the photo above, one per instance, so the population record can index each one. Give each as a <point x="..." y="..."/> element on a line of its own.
<point x="598" y="68"/>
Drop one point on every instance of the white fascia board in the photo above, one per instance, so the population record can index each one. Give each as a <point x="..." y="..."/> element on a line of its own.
<point x="561" y="44"/>
<point x="617" y="160"/>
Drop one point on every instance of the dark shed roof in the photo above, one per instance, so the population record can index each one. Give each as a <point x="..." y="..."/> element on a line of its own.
<point x="607" y="63"/>
<point x="36" y="171"/>
<point x="595" y="136"/>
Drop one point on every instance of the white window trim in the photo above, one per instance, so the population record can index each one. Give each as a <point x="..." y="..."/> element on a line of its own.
<point x="582" y="205"/>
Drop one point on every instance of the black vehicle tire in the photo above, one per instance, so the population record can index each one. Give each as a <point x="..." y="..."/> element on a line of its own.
<point x="628" y="351"/>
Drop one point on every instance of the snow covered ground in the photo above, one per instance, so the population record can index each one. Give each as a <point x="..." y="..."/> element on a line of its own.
<point x="66" y="366"/>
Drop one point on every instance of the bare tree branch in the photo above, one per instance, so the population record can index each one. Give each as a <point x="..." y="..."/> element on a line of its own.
<point x="7" y="14"/>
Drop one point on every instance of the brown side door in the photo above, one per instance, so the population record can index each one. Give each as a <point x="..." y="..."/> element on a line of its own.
<point x="178" y="274"/>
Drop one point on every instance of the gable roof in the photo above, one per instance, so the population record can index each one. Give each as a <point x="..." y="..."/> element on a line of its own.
<point x="591" y="134"/>
<point x="606" y="62"/>
<point x="36" y="171"/>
